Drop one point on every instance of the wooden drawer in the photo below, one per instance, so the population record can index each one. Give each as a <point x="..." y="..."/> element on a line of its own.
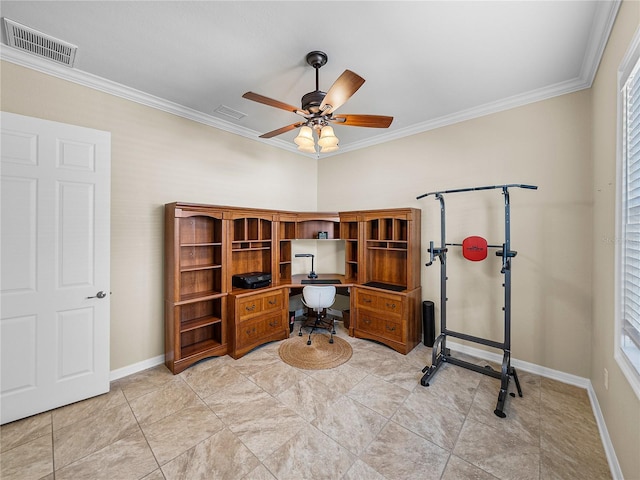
<point x="366" y="299"/>
<point x="380" y="326"/>
<point x="249" y="306"/>
<point x="272" y="324"/>
<point x="252" y="331"/>
<point x="259" y="303"/>
<point x="392" y="329"/>
<point x="257" y="318"/>
<point x="272" y="301"/>
<point x="368" y="323"/>
<point x="388" y="304"/>
<point x="249" y="332"/>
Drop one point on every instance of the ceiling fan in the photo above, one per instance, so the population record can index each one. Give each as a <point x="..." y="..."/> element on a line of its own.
<point x="318" y="109"/>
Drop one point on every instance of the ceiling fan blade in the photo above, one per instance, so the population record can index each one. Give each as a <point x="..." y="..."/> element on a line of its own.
<point x="256" y="97"/>
<point x="346" y="85"/>
<point x="374" y="121"/>
<point x="279" y="131"/>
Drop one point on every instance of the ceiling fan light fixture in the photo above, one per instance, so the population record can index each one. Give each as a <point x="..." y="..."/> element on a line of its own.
<point x="332" y="148"/>
<point x="328" y="138"/>
<point x="307" y="149"/>
<point x="304" y="138"/>
<point x="318" y="108"/>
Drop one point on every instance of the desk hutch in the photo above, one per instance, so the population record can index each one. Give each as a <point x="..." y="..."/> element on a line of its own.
<point x="206" y="245"/>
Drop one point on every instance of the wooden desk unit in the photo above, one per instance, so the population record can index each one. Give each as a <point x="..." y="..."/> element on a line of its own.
<point x="206" y="245"/>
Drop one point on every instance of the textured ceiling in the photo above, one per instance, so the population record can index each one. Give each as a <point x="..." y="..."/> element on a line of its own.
<point x="426" y="63"/>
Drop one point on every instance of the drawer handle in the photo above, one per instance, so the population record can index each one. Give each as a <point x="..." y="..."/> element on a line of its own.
<point x="391" y="329"/>
<point x="251" y="330"/>
<point x="251" y="308"/>
<point x="273" y="324"/>
<point x="366" y="300"/>
<point x="272" y="302"/>
<point x="367" y="321"/>
<point x="391" y="305"/>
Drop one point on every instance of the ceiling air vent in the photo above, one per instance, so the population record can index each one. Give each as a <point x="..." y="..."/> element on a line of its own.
<point x="40" y="44"/>
<point x="230" y="112"/>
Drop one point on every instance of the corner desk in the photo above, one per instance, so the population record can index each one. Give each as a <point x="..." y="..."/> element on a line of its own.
<point x="205" y="245"/>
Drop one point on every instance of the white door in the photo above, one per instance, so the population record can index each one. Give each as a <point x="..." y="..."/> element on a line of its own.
<point x="54" y="310"/>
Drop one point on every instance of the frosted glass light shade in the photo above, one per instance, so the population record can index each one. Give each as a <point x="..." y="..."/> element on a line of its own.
<point x="305" y="137"/>
<point x="307" y="148"/>
<point x="327" y="137"/>
<point x="332" y="148"/>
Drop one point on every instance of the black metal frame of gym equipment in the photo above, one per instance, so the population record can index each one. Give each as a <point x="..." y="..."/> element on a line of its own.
<point x="440" y="353"/>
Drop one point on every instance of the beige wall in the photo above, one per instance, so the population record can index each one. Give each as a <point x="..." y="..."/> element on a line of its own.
<point x="158" y="158"/>
<point x="562" y="276"/>
<point x="619" y="404"/>
<point x="544" y="144"/>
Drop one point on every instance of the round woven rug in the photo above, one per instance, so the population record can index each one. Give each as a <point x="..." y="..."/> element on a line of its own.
<point x="320" y="355"/>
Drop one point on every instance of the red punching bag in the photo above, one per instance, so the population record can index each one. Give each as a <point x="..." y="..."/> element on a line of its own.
<point x="474" y="248"/>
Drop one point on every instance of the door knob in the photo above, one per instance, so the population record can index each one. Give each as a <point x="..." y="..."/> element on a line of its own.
<point x="100" y="294"/>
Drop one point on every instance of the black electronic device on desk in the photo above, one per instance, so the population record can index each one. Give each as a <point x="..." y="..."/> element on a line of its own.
<point x="251" y="280"/>
<point x="322" y="281"/>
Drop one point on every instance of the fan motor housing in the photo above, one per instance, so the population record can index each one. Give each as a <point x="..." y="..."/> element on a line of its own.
<point x="312" y="100"/>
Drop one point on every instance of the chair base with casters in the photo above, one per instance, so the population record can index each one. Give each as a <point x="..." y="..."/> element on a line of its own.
<point x="318" y="299"/>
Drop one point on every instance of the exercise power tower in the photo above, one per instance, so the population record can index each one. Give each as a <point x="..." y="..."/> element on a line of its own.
<point x="475" y="249"/>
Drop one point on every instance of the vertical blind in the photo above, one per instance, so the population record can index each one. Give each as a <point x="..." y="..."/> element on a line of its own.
<point x="630" y="241"/>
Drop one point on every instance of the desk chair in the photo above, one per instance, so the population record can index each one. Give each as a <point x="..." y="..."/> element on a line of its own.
<point x="319" y="298"/>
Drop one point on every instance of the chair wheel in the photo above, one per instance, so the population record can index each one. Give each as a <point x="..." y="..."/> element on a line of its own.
<point x="299" y="334"/>
<point x="331" y="340"/>
<point x="308" y="342"/>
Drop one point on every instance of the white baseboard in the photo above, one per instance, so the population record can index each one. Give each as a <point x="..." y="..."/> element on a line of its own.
<point x="522" y="365"/>
<point x="614" y="466"/>
<point x="563" y="377"/>
<point x="136" y="367"/>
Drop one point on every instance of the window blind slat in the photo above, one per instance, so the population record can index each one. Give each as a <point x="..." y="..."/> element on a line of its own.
<point x="630" y="288"/>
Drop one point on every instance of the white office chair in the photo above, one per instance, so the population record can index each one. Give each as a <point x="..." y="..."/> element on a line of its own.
<point x="319" y="298"/>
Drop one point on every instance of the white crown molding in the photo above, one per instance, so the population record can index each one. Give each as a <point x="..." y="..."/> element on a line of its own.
<point x="603" y="23"/>
<point x="475" y="112"/>
<point x="112" y="88"/>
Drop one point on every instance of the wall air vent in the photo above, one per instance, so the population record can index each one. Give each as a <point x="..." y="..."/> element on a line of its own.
<point x="39" y="44"/>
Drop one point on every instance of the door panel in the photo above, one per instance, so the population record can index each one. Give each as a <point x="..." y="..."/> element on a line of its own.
<point x="19" y="342"/>
<point x="75" y="343"/>
<point x="76" y="225"/>
<point x="55" y="257"/>
<point x="19" y="243"/>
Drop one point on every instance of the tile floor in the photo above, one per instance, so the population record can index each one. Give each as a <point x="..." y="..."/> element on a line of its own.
<point x="258" y="418"/>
